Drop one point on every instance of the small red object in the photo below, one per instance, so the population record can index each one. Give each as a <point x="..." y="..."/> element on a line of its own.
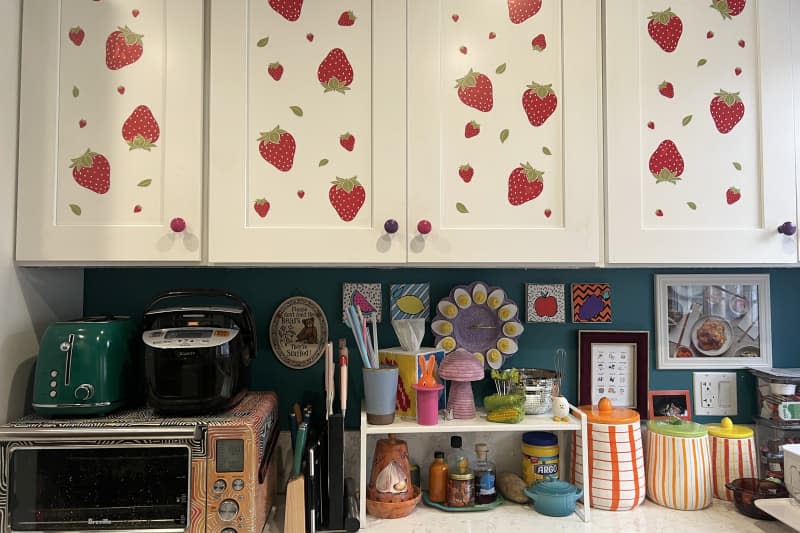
<point x="424" y="226"/>
<point x="177" y="224"/>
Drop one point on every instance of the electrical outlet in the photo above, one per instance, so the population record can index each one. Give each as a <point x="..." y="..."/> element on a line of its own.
<point x="715" y="393"/>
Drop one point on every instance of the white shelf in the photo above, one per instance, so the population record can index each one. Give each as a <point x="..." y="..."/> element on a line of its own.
<point x="479" y="423"/>
<point x="787" y="510"/>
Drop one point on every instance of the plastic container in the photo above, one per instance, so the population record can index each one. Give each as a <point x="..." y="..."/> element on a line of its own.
<point x="539" y="456"/>
<point x="733" y="455"/>
<point x="747" y="490"/>
<point x="770" y="437"/>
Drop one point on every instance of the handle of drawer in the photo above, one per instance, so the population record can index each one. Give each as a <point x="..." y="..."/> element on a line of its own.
<point x="391" y="226"/>
<point x="424" y="226"/>
<point x="787" y="228"/>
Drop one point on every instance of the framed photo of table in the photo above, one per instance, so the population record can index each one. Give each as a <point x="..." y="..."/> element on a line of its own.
<point x="613" y="364"/>
<point x="713" y="321"/>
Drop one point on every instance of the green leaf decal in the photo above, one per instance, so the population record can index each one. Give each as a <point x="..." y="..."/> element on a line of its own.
<point x="737" y="165"/>
<point x="322" y="162"/>
<point x="144" y="183"/>
<point x="692" y="205"/>
<point x="461" y="208"/>
<point x="500" y="69"/>
<point x="297" y="110"/>
<point x="702" y="61"/>
<point x="75" y="91"/>
<point x="262" y="42"/>
<point x="504" y="135"/>
<point x="546" y="150"/>
<point x="75" y="208"/>
<point x="687" y="119"/>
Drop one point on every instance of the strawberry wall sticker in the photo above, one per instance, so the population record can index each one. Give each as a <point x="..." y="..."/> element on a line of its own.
<point x="409" y="300"/>
<point x="521" y="10"/>
<point x="465" y="172"/>
<point x="666" y="163"/>
<point x="346" y="195"/>
<point x="591" y="302"/>
<point x="121" y="89"/>
<point x="92" y="171"/>
<point x="462" y="49"/>
<point x="471" y="129"/>
<point x="545" y="302"/>
<point x="539" y="43"/>
<point x="348" y="141"/>
<point x="539" y="102"/>
<point x="82" y="123"/>
<point x="275" y="70"/>
<point x="277" y="147"/>
<point x="525" y="183"/>
<point x="732" y="195"/>
<point x="455" y="17"/>
<point x="728" y="8"/>
<point x="365" y="296"/>
<point x="665" y="28"/>
<point x="335" y="72"/>
<point x="137" y="208"/>
<point x="262" y="207"/>
<point x="347" y="19"/>
<point x="666" y="89"/>
<point x="140" y="129"/>
<point x="288" y="9"/>
<point x="76" y="35"/>
<point x="135" y="13"/>
<point x="475" y="90"/>
<point x="123" y="47"/>
<point x="547" y="213"/>
<point x="727" y="109"/>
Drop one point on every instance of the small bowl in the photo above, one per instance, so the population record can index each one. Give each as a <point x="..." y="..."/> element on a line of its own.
<point x="683" y="351"/>
<point x="738" y="306"/>
<point x="394" y="510"/>
<point x="782" y="389"/>
<point x="747" y="490"/>
<point x="747" y="351"/>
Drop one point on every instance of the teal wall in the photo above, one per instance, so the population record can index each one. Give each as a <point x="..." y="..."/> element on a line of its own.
<point x="129" y="290"/>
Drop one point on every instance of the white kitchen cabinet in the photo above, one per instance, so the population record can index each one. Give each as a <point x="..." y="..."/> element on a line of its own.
<point x="94" y="75"/>
<point x="682" y="188"/>
<point x="526" y="187"/>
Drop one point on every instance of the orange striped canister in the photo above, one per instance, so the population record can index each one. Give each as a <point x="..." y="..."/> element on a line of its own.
<point x="616" y="462"/>
<point x="733" y="455"/>
<point x="678" y="465"/>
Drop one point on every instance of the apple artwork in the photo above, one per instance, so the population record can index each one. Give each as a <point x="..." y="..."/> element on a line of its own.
<point x="545" y="305"/>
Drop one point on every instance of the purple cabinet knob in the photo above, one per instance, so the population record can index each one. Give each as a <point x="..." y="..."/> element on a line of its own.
<point x="391" y="226"/>
<point x="424" y="226"/>
<point x="787" y="228"/>
<point x="177" y="224"/>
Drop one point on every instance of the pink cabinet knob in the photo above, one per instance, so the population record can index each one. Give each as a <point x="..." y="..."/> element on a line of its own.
<point x="177" y="224"/>
<point x="424" y="226"/>
<point x="391" y="226"/>
<point x="787" y="228"/>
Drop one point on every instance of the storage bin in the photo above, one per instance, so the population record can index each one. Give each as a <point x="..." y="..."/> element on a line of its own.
<point x="778" y="398"/>
<point x="770" y="438"/>
<point x="733" y="456"/>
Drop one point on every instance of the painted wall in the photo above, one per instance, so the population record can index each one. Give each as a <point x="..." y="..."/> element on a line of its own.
<point x="128" y="291"/>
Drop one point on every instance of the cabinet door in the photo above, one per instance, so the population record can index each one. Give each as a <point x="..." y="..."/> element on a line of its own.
<point x="503" y="119"/>
<point x="306" y="151"/>
<point x="700" y="131"/>
<point x="111" y="131"/>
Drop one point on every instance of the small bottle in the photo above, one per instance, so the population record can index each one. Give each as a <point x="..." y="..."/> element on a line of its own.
<point x="485" y="475"/>
<point x="456" y="453"/>
<point x="437" y="479"/>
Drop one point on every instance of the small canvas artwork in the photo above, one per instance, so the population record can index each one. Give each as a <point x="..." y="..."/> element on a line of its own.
<point x="409" y="300"/>
<point x="365" y="296"/>
<point x="545" y="302"/>
<point x="591" y="302"/>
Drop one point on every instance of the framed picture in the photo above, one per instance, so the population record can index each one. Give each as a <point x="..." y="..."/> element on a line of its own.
<point x="668" y="404"/>
<point x="613" y="364"/>
<point x="713" y="321"/>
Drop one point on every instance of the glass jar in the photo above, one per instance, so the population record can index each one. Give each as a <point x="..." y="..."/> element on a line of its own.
<point x="461" y="488"/>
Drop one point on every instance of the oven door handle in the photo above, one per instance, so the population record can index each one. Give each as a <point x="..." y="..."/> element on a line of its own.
<point x="50" y="434"/>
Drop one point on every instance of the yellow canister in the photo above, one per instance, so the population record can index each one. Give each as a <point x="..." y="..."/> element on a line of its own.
<point x="539" y="456"/>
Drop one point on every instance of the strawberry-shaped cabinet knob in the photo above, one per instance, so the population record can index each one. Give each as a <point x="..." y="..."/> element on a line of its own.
<point x="424" y="226"/>
<point x="177" y="224"/>
<point x="787" y="228"/>
<point x="391" y="226"/>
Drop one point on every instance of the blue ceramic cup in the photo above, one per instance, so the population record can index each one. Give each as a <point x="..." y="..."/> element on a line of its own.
<point x="380" y="394"/>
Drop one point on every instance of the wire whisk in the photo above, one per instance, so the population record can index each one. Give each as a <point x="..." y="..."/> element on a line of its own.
<point x="560" y="364"/>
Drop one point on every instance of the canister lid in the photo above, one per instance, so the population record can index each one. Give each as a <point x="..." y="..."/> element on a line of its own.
<point x="677" y="428"/>
<point x="539" y="438"/>
<point x="462" y="475"/>
<point x="554" y="487"/>
<point x="605" y="413"/>
<point x="728" y="430"/>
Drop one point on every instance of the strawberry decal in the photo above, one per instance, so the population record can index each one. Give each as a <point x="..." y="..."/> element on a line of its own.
<point x="521" y="10"/>
<point x="140" y="129"/>
<point x="277" y="147"/>
<point x="539" y="102"/>
<point x="76" y="35"/>
<point x="475" y="90"/>
<point x="732" y="195"/>
<point x="539" y="43"/>
<point x="728" y="8"/>
<point x="347" y="19"/>
<point x="727" y="109"/>
<point x="471" y="129"/>
<point x="346" y="196"/>
<point x="261" y="206"/>
<point x="348" y="141"/>
<point x="288" y="9"/>
<point x="275" y="70"/>
<point x="335" y="72"/>
<point x="92" y="171"/>
<point x="666" y="89"/>
<point x="123" y="47"/>
<point x="465" y="172"/>
<point x="665" y="28"/>
<point x="666" y="163"/>
<point x="525" y="183"/>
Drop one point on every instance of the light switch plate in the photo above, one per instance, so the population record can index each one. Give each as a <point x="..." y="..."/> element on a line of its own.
<point x="715" y="393"/>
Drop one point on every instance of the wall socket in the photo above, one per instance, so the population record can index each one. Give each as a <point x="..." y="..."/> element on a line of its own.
<point x="715" y="393"/>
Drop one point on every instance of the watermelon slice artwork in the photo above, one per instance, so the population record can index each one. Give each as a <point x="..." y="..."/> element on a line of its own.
<point x="365" y="296"/>
<point x="360" y="301"/>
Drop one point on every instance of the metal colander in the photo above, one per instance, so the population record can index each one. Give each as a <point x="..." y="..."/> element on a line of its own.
<point x="538" y="385"/>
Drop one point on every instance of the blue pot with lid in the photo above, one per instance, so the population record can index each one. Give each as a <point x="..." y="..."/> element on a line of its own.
<point x="553" y="497"/>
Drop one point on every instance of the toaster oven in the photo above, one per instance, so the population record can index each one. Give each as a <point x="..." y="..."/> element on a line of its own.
<point x="137" y="472"/>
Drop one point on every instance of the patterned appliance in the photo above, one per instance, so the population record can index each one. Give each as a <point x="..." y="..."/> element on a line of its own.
<point x="733" y="455"/>
<point x="616" y="459"/>
<point x="135" y="471"/>
<point x="678" y="464"/>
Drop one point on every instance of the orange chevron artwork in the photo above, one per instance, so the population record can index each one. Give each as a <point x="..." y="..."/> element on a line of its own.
<point x="591" y="302"/>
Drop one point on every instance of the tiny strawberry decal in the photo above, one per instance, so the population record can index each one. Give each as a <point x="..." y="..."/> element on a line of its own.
<point x="346" y="196"/>
<point x="137" y="208"/>
<point x="462" y="49"/>
<point x="666" y="89"/>
<point x="335" y="72"/>
<point x="665" y="28"/>
<point x="277" y="147"/>
<point x="261" y="206"/>
<point x="728" y="8"/>
<point x="741" y="43"/>
<point x="348" y="141"/>
<point x="275" y="70"/>
<point x="666" y="162"/>
<point x="92" y="171"/>
<point x="288" y="9"/>
<point x="525" y="183"/>
<point x="521" y="10"/>
<point x="140" y="129"/>
<point x="727" y="109"/>
<point x="471" y="129"/>
<point x="737" y="71"/>
<point x="651" y="125"/>
<point x="539" y="43"/>
<point x="301" y="193"/>
<point x="309" y="37"/>
<point x="455" y="17"/>
<point x="347" y="19"/>
<point x="135" y="13"/>
<point x="123" y="47"/>
<point x="659" y="213"/>
<point x="465" y="172"/>
<point x="475" y="90"/>
<point x="709" y="34"/>
<point x="82" y="123"/>
<point x="121" y="89"/>
<point x="492" y="35"/>
<point x="76" y="35"/>
<point x="732" y="195"/>
<point x="539" y="102"/>
<point x="548" y="212"/>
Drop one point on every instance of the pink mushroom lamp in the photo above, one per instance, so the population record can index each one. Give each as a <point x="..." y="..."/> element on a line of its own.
<point x="461" y="367"/>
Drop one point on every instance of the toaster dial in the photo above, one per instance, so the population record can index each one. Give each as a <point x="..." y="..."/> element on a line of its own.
<point x="84" y="392"/>
<point x="228" y="510"/>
